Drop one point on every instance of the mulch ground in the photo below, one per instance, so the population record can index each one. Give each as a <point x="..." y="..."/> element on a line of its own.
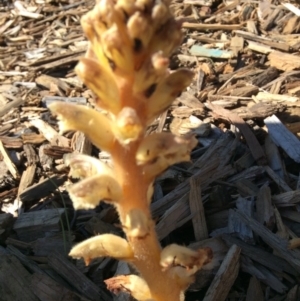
<point x="239" y="195"/>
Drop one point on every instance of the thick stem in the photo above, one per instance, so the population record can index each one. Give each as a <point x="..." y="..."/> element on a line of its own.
<point x="147" y="249"/>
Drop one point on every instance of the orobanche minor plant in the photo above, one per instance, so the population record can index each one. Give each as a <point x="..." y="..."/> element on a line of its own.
<point x="126" y="66"/>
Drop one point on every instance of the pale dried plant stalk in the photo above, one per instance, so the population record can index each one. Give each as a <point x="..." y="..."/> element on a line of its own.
<point x="126" y="66"/>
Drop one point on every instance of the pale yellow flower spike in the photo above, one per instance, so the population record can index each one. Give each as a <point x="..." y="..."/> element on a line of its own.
<point x="127" y="67"/>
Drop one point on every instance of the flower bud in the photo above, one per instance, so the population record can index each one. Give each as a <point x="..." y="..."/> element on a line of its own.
<point x="167" y="38"/>
<point x="102" y="245"/>
<point x="137" y="224"/>
<point x="160" y="15"/>
<point x="118" y="49"/>
<point x="128" y="6"/>
<point x="132" y="284"/>
<point x="139" y="28"/>
<point x="152" y="72"/>
<point x="95" y="125"/>
<point x="128" y="126"/>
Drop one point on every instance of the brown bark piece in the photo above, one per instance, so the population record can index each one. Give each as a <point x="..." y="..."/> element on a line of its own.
<point x="254" y="146"/>
<point x="265" y="77"/>
<point x="50" y="134"/>
<point x="27" y="178"/>
<point x="284" y="61"/>
<point x="268" y="23"/>
<point x="197" y="210"/>
<point x="42" y="189"/>
<point x="31" y="155"/>
<point x="10" y="165"/>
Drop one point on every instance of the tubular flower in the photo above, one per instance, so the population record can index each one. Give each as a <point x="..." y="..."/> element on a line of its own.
<point x="88" y="193"/>
<point x="98" y="182"/>
<point x="137" y="224"/>
<point x="160" y="150"/>
<point x="175" y="255"/>
<point x="79" y="118"/>
<point x="102" y="245"/>
<point x="127" y="126"/>
<point x="102" y="82"/>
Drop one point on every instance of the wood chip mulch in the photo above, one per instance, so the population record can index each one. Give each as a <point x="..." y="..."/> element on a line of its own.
<point x="240" y="193"/>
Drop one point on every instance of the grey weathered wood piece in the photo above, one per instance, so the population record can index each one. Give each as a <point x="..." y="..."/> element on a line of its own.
<point x="278" y="244"/>
<point x="287" y="198"/>
<point x="47" y="289"/>
<point x="76" y="278"/>
<point x="6" y="224"/>
<point x="254" y="292"/>
<point x="261" y="256"/>
<point x="279" y="181"/>
<point x="27" y="262"/>
<point x="235" y="225"/>
<point x="264" y="207"/>
<point x="15" y="280"/>
<point x="225" y="277"/>
<point x="30" y="226"/>
<point x="282" y="137"/>
<point x="273" y="157"/>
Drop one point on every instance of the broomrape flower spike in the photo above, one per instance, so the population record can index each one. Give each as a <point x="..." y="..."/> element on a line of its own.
<point x="126" y="66"/>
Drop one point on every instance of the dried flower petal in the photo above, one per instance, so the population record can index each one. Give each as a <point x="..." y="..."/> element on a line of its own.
<point x="137" y="224"/>
<point x="80" y="118"/>
<point x="132" y="284"/>
<point x="175" y="255"/>
<point x="102" y="245"/>
<point x="102" y="82"/>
